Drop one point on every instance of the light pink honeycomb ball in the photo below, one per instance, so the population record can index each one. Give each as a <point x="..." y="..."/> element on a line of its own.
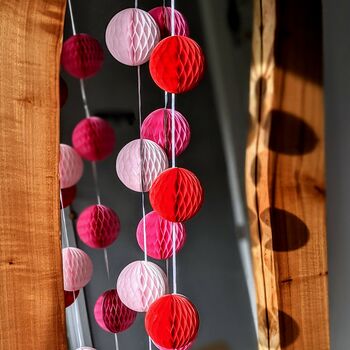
<point x="162" y="16"/>
<point x="186" y="347"/>
<point x="70" y="167"/>
<point x="98" y="226"/>
<point x="157" y="127"/>
<point x="77" y="269"/>
<point x="128" y="165"/>
<point x="131" y="35"/>
<point x="159" y="236"/>
<point x="140" y="284"/>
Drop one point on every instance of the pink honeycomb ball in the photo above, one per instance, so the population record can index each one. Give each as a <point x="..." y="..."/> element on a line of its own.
<point x="140" y="284"/>
<point x="82" y="56"/>
<point x="159" y="236"/>
<point x="70" y="167"/>
<point x="93" y="138"/>
<point x="128" y="165"/>
<point x="157" y="127"/>
<point x="131" y="36"/>
<point x="98" y="226"/>
<point x="111" y="314"/>
<point x="162" y="16"/>
<point x="77" y="269"/>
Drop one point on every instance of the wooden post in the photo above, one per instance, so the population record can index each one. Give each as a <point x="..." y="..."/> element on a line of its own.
<point x="285" y="175"/>
<point x="31" y="287"/>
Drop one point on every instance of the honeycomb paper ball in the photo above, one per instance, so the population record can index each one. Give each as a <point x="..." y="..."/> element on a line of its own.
<point x="70" y="297"/>
<point x="98" y="226"/>
<point x="68" y="195"/>
<point x="172" y="321"/>
<point x="86" y="348"/>
<point x="70" y="167"/>
<point x="131" y="35"/>
<point x="128" y="165"/>
<point x="162" y="16"/>
<point x="176" y="194"/>
<point x="111" y="314"/>
<point x="159" y="236"/>
<point x="140" y="284"/>
<point x="177" y="64"/>
<point x="93" y="138"/>
<point x="157" y="127"/>
<point x="63" y="92"/>
<point x="82" y="56"/>
<point x="77" y="269"/>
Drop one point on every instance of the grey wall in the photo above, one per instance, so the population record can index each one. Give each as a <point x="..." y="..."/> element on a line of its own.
<point x="209" y="268"/>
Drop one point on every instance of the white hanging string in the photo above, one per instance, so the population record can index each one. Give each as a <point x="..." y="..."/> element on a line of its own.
<point x="116" y="341"/>
<point x="72" y="17"/>
<point x="77" y="319"/>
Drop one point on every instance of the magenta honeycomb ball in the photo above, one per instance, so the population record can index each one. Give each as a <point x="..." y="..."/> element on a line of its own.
<point x="157" y="127"/>
<point x="98" y="226"/>
<point x="162" y="16"/>
<point x="70" y="167"/>
<point x="159" y="236"/>
<point x="131" y="36"/>
<point x="77" y="269"/>
<point x="140" y="284"/>
<point x="128" y="165"/>
<point x="93" y="138"/>
<point x="111" y="314"/>
<point x="82" y="56"/>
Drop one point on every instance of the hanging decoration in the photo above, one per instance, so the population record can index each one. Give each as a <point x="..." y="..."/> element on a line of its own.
<point x="157" y="127"/>
<point x="98" y="226"/>
<point x="93" y="138"/>
<point x="111" y="314"/>
<point x="162" y="16"/>
<point x="68" y="196"/>
<point x="138" y="169"/>
<point x="77" y="269"/>
<point x="140" y="284"/>
<point x="131" y="36"/>
<point x="70" y="167"/>
<point x="172" y="321"/>
<point x="159" y="236"/>
<point x="70" y="297"/>
<point x="82" y="56"/>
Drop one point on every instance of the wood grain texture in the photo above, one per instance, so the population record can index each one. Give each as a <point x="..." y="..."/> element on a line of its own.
<point x="285" y="175"/>
<point x="31" y="287"/>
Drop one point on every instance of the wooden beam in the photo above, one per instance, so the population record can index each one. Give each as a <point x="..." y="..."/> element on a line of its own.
<point x="285" y="175"/>
<point x="31" y="287"/>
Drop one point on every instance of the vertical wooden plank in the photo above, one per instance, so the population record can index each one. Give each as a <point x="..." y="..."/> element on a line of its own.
<point x="285" y="175"/>
<point x="31" y="288"/>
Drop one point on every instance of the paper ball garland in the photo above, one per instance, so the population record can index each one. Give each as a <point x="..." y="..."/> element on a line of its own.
<point x="162" y="16"/>
<point x="172" y="321"/>
<point x="98" y="226"/>
<point x="140" y="284"/>
<point x="131" y="36"/>
<point x="160" y="236"/>
<point x="77" y="268"/>
<point x="68" y="195"/>
<point x="70" y="297"/>
<point x="93" y="138"/>
<point x="128" y="165"/>
<point x="70" y="167"/>
<point x="82" y="56"/>
<point x="157" y="127"/>
<point x="176" y="195"/>
<point x="111" y="314"/>
<point x="177" y="64"/>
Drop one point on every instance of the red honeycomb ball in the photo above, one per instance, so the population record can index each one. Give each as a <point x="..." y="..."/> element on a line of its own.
<point x="111" y="314"/>
<point x="98" y="226"/>
<point x="93" y="138"/>
<point x="176" y="194"/>
<point x="172" y="321"/>
<point x="162" y="16"/>
<point x="82" y="56"/>
<point x="63" y="92"/>
<point x="68" y="195"/>
<point x="70" y="297"/>
<point x="177" y="64"/>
